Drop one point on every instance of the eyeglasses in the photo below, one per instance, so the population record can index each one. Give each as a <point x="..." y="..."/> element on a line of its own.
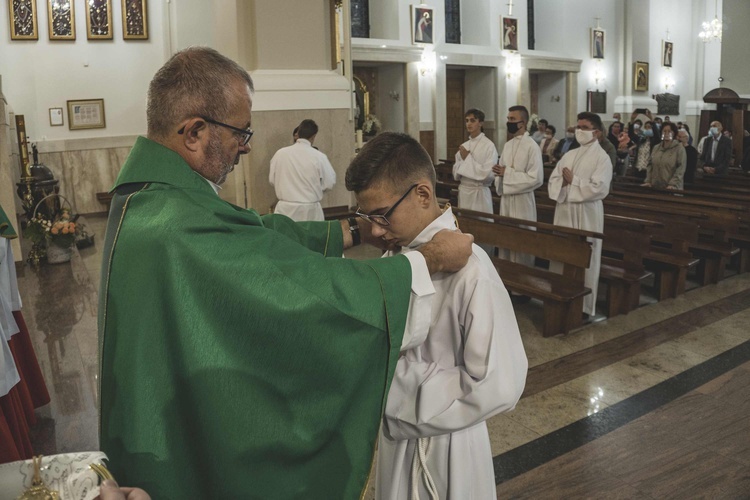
<point x="243" y="135"/>
<point x="382" y="220"/>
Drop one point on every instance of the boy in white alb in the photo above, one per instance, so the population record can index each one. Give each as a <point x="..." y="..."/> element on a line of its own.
<point x="473" y="166"/>
<point x="434" y="441"/>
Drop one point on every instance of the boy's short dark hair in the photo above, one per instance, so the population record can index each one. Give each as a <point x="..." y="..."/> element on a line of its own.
<point x="593" y="118"/>
<point x="307" y="129"/>
<point x="478" y="114"/>
<point x="543" y="121"/>
<point x="392" y="157"/>
<point x="552" y="129"/>
<point x="523" y="110"/>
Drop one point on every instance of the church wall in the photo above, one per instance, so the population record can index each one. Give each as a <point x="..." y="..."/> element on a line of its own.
<point x="391" y="97"/>
<point x="9" y="173"/>
<point x="735" y="62"/>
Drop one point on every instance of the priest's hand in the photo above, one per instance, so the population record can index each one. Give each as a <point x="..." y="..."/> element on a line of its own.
<point x="463" y="152"/>
<point x="109" y="490"/>
<point x="498" y="170"/>
<point x="567" y="176"/>
<point x="448" y="251"/>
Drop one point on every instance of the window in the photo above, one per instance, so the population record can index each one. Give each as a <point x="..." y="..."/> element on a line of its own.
<point x="360" y="18"/>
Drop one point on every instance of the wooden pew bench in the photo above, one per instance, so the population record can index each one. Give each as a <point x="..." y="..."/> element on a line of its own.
<point x="561" y="294"/>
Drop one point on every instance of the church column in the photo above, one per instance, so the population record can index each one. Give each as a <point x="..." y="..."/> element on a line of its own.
<point x="571" y="98"/>
<point x="637" y="22"/>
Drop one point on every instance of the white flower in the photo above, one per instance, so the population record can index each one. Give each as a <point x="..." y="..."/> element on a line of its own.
<point x="372" y="124"/>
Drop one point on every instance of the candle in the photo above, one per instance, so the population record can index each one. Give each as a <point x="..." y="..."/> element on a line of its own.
<point x="359" y="139"/>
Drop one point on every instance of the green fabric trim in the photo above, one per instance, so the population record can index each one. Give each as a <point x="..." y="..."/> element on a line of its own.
<point x="6" y="228"/>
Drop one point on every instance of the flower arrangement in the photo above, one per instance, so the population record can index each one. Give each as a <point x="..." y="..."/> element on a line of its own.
<point x="533" y="124"/>
<point x="371" y="125"/>
<point x="61" y="232"/>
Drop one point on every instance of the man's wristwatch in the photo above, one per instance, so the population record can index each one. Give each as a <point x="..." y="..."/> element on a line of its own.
<point x="354" y="231"/>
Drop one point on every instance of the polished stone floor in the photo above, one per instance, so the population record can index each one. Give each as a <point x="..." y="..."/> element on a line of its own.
<point x="653" y="404"/>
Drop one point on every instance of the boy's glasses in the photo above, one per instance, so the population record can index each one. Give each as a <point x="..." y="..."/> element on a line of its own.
<point x="382" y="220"/>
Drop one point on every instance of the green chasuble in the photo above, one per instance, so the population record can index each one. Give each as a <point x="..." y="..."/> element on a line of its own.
<point x="241" y="356"/>
<point x="6" y="228"/>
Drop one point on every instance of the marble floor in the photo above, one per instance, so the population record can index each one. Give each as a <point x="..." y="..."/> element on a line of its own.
<point x="653" y="404"/>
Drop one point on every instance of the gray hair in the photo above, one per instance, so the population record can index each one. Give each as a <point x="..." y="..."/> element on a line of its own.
<point x="197" y="81"/>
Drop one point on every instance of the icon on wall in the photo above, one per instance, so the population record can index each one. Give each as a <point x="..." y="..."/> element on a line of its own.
<point x="510" y="33"/>
<point x="22" y="17"/>
<point x="640" y="76"/>
<point x="666" y="53"/>
<point x="99" y="19"/>
<point x="421" y="21"/>
<point x="597" y="43"/>
<point x="134" y="19"/>
<point x="61" y="19"/>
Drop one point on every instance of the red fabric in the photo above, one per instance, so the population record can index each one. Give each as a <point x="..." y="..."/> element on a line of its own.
<point x="15" y="443"/>
<point x="27" y="364"/>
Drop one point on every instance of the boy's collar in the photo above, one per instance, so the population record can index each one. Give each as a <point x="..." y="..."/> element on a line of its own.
<point x="445" y="221"/>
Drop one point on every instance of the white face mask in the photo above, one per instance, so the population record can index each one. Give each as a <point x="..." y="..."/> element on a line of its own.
<point x="584" y="136"/>
<point x="636" y="127"/>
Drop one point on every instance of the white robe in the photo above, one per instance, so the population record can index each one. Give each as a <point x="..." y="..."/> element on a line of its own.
<point x="471" y="366"/>
<point x="524" y="172"/>
<point x="475" y="174"/>
<point x="579" y="204"/>
<point x="10" y="301"/>
<point x="300" y="175"/>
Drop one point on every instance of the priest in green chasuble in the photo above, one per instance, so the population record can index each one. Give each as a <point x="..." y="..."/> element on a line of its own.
<point x="241" y="356"/>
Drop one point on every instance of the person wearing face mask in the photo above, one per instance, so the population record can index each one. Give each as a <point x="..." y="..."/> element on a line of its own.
<point x="541" y="129"/>
<point x="473" y="165"/>
<point x="518" y="173"/>
<point x="566" y="144"/>
<point x="717" y="151"/>
<point x="578" y="184"/>
<point x="691" y="155"/>
<point x="642" y="152"/>
<point x="668" y="162"/>
<point x="548" y="144"/>
<point x="657" y="126"/>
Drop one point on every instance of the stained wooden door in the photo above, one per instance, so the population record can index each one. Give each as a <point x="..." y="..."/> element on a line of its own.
<point x="455" y="129"/>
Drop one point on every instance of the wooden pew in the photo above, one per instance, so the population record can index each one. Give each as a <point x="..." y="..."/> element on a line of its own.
<point x="626" y="241"/>
<point x="338" y="212"/>
<point x="562" y="294"/>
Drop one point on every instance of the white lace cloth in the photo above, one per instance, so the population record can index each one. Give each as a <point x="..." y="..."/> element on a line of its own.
<point x="68" y="474"/>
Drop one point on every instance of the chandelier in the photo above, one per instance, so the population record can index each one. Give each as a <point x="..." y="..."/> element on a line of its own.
<point x="711" y="31"/>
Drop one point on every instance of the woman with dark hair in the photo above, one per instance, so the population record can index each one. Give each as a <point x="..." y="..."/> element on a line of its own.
<point x="614" y="133"/>
<point x="666" y="168"/>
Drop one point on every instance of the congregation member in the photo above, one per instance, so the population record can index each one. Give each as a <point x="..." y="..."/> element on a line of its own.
<point x="691" y="156"/>
<point x="613" y="134"/>
<point x="538" y="134"/>
<point x="548" y="144"/>
<point x="434" y="441"/>
<point x="473" y="165"/>
<point x="240" y="354"/>
<point x="642" y="151"/>
<point x="666" y="168"/>
<point x="608" y="148"/>
<point x="300" y="174"/>
<point x="578" y="184"/>
<point x="518" y="173"/>
<point x="717" y="151"/>
<point x="565" y="145"/>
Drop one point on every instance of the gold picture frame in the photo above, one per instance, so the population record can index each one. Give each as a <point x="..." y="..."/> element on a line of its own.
<point x="135" y="19"/>
<point x="56" y="118"/>
<point x="640" y="76"/>
<point x="86" y="114"/>
<point x="99" y="20"/>
<point x="22" y="20"/>
<point x="61" y="19"/>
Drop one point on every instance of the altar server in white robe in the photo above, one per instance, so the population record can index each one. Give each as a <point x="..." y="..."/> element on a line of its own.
<point x="434" y="441"/>
<point x="10" y="300"/>
<point x="300" y="175"/>
<point x="473" y="167"/>
<point x="578" y="184"/>
<point x="518" y="173"/>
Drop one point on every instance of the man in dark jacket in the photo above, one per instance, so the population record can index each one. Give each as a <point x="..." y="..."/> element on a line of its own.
<point x="717" y="151"/>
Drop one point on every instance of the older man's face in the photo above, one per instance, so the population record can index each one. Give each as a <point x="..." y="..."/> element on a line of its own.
<point x="224" y="147"/>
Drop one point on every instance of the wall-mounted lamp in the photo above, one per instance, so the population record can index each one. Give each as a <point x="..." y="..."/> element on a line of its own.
<point x="599" y="75"/>
<point x="667" y="82"/>
<point x="394" y="95"/>
<point x="428" y="63"/>
<point x="512" y="64"/>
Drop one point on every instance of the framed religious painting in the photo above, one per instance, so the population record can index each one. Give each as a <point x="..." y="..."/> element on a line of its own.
<point x="640" y="76"/>
<point x="99" y="19"/>
<point x="421" y="25"/>
<point x="597" y="43"/>
<point x="510" y="33"/>
<point x="135" y="19"/>
<point x="666" y="53"/>
<point x="22" y="17"/>
<point x="61" y="19"/>
<point x="86" y="113"/>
